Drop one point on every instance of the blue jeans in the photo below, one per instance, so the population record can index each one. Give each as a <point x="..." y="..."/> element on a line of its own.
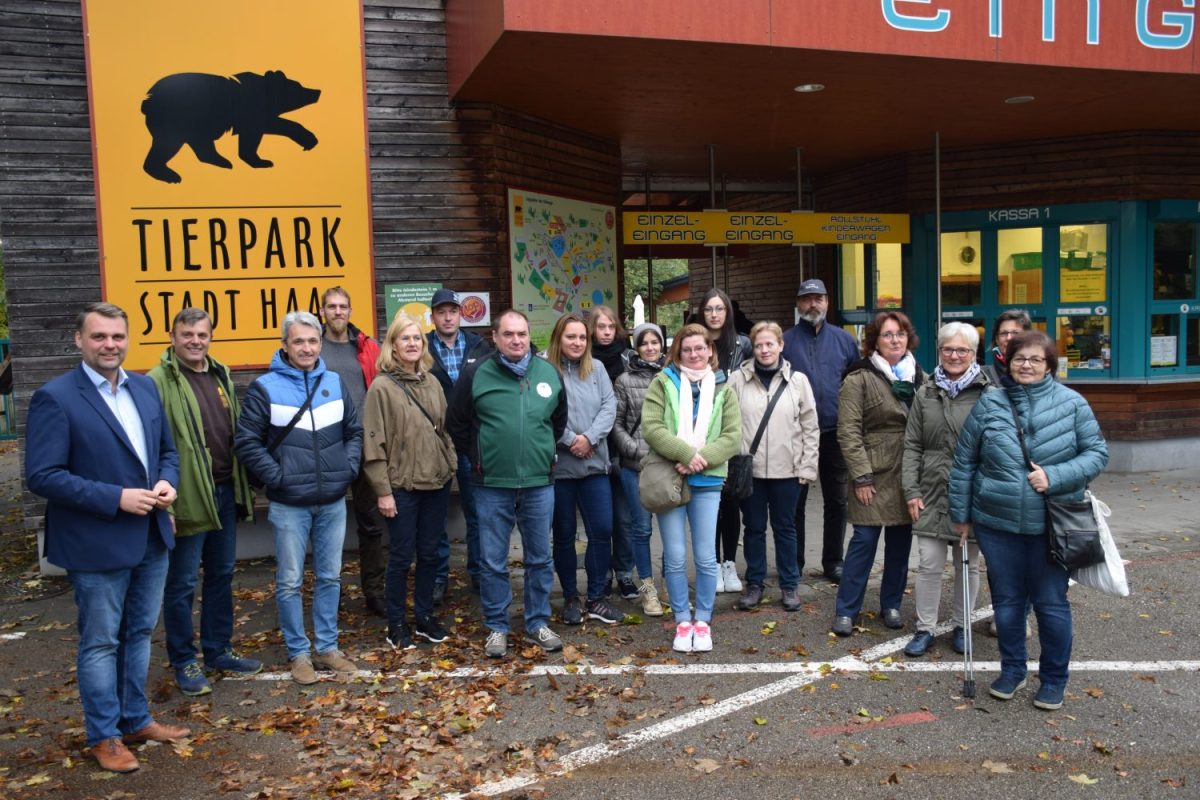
<point x="498" y="510"/>
<point x="593" y="497"/>
<point x="466" y="497"/>
<point x="418" y="526"/>
<point x="860" y="555"/>
<point x="1020" y="574"/>
<point x="701" y="514"/>
<point x="639" y="523"/>
<point x="776" y="497"/>
<point x="294" y="527"/>
<point x="116" y="613"/>
<point x="622" y="539"/>
<point x="216" y="552"/>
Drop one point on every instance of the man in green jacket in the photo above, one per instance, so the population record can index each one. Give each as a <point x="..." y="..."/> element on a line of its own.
<point x="214" y="492"/>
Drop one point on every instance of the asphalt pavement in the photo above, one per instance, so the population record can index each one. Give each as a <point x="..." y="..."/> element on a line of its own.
<point x="779" y="709"/>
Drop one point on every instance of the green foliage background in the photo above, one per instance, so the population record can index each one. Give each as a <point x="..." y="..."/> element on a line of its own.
<point x="670" y="315"/>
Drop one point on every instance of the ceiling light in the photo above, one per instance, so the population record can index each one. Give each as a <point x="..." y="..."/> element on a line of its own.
<point x="807" y="88"/>
<point x="1019" y="99"/>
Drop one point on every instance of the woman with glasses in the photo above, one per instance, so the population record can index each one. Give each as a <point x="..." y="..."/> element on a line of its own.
<point x="690" y="417"/>
<point x="996" y="496"/>
<point x="872" y="416"/>
<point x="1007" y="325"/>
<point x="581" y="471"/>
<point x="937" y="415"/>
<point x="785" y="460"/>
<point x="731" y="349"/>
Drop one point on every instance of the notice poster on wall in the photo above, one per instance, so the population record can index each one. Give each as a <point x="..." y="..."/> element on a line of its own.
<point x="411" y="299"/>
<point x="231" y="168"/>
<point x="563" y="256"/>
<point x="1163" y="351"/>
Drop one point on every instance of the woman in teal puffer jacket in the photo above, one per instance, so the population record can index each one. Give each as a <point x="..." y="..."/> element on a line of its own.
<point x="993" y="492"/>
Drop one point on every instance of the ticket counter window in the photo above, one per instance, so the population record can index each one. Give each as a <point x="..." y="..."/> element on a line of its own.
<point x="1019" y="266"/>
<point x="961" y="265"/>
<point x="1083" y="263"/>
<point x="1084" y="343"/>
<point x="1174" y="260"/>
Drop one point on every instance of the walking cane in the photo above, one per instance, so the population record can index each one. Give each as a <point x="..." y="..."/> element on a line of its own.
<point x="968" y="689"/>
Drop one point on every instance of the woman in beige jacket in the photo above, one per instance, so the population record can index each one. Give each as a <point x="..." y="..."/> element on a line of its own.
<point x="409" y="460"/>
<point x="785" y="460"/>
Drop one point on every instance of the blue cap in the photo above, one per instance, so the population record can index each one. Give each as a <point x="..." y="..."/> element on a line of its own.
<point x="443" y="297"/>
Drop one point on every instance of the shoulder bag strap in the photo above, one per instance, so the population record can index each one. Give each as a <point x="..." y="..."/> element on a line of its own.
<point x="308" y="399"/>
<point x="412" y="397"/>
<point x="1020" y="434"/>
<point x="762" y="426"/>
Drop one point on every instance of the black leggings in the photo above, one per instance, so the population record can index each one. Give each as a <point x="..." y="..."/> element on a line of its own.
<point x="729" y="528"/>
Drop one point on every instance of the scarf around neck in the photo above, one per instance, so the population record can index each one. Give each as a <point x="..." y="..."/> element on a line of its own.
<point x="518" y="368"/>
<point x="610" y="355"/>
<point x="953" y="387"/>
<point x="695" y="431"/>
<point x="901" y="376"/>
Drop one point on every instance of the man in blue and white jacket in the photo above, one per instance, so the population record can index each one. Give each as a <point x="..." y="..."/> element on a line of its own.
<point x="305" y="454"/>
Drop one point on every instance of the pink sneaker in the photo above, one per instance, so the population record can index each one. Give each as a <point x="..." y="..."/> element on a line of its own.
<point x="683" y="637"/>
<point x="701" y="637"/>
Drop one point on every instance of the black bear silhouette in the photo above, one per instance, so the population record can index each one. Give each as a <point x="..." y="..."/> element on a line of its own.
<point x="196" y="109"/>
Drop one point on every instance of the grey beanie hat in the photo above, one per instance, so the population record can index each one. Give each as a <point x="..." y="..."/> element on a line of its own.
<point x="648" y="326"/>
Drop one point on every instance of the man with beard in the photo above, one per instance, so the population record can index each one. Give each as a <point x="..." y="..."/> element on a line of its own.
<point x="352" y="354"/>
<point x="823" y="353"/>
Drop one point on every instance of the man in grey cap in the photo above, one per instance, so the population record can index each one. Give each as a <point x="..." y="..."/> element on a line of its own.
<point x="453" y="349"/>
<point x="822" y="352"/>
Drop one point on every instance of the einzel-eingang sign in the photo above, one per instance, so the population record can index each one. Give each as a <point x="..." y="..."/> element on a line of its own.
<point x="736" y="227"/>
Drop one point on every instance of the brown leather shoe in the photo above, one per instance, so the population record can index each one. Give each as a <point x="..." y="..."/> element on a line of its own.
<point x="157" y="732"/>
<point x="114" y="756"/>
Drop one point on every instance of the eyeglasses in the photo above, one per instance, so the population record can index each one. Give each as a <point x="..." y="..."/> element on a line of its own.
<point x="714" y="309"/>
<point x="1035" y="361"/>
<point x="893" y="335"/>
<point x="1006" y="334"/>
<point x="957" y="352"/>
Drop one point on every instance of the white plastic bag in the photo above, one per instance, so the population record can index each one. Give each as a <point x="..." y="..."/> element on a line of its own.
<point x="1109" y="575"/>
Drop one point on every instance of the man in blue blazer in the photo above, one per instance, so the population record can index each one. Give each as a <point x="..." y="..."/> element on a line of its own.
<point x="98" y="448"/>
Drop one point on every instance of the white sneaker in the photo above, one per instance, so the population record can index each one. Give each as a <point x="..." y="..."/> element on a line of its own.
<point x="701" y="637"/>
<point x="729" y="573"/>
<point x="720" y="579"/>
<point x="683" y="638"/>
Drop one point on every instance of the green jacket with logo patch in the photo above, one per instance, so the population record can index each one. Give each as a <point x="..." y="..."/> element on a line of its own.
<point x="508" y="426"/>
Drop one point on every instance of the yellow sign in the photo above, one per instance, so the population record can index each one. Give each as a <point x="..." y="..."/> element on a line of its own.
<point x="231" y="165"/>
<point x="736" y="227"/>
<point x="1082" y="286"/>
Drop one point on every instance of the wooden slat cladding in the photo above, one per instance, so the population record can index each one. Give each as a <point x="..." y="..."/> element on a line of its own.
<point x="1144" y="411"/>
<point x="439" y="173"/>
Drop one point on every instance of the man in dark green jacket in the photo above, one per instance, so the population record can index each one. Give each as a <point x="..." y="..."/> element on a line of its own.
<point x="202" y="409"/>
<point x="506" y="414"/>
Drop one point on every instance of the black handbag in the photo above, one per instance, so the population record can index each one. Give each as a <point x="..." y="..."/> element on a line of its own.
<point x="739" y="478"/>
<point x="1072" y="532"/>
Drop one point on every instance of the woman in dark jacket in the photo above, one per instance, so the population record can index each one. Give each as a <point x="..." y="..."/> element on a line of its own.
<point x="1006" y="326"/>
<point x="872" y="414"/>
<point x="610" y="346"/>
<point x="937" y="415"/>
<point x="731" y="348"/>
<point x="643" y="363"/>
<point x="995" y="495"/>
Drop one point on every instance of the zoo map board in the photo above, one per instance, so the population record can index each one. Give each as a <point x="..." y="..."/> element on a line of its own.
<point x="563" y="255"/>
<point x="231" y="170"/>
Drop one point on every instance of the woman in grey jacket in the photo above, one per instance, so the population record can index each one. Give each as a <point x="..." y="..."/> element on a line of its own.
<point x="581" y="471"/>
<point x="642" y="364"/>
<point x="937" y="415"/>
<point x="786" y="459"/>
<point x="995" y="494"/>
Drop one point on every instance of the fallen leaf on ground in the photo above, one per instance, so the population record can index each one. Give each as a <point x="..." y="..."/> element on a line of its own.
<point x="1082" y="778"/>
<point x="706" y="765"/>
<point x="998" y="767"/>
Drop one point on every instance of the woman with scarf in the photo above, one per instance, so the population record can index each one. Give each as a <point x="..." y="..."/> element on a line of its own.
<point x="581" y="471"/>
<point x="872" y="414"/>
<point x="938" y="413"/>
<point x="610" y="346"/>
<point x="785" y="460"/>
<point x="730" y="349"/>
<point x="690" y="417"/>
<point x="643" y="364"/>
<point x="409" y="460"/>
